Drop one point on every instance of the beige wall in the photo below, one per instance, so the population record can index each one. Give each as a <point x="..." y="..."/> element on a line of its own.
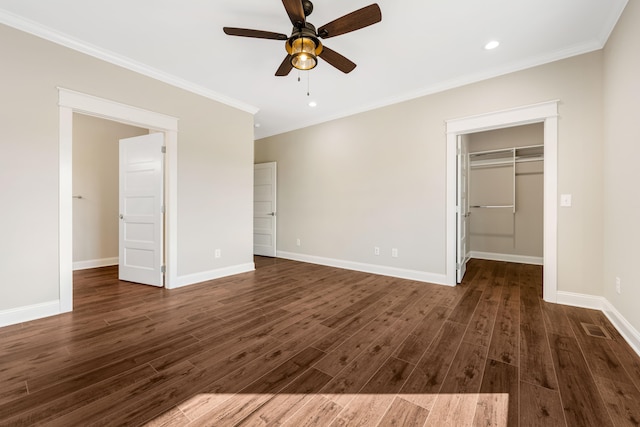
<point x="215" y="164"/>
<point x="95" y="178"/>
<point x="621" y="173"/>
<point x="378" y="178"/>
<point x="500" y="231"/>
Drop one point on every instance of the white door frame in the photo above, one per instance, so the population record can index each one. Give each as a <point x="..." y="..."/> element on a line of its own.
<point x="70" y="102"/>
<point x="547" y="113"/>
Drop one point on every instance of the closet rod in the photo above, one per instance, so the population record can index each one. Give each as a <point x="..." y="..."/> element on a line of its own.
<point x="503" y="150"/>
<point x="505" y="161"/>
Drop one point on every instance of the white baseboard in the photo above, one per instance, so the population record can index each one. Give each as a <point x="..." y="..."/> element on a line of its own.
<point x="95" y="263"/>
<point x="520" y="259"/>
<point x="421" y="276"/>
<point x="626" y="329"/>
<point x="581" y="300"/>
<point x="52" y="308"/>
<point x="204" y="276"/>
<point x="30" y="312"/>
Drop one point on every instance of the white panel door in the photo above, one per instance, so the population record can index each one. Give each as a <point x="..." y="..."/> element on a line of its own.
<point x="141" y="217"/>
<point x="462" y="209"/>
<point x="264" y="209"/>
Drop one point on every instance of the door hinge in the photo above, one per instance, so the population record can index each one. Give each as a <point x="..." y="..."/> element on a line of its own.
<point x="164" y="149"/>
<point x="162" y="209"/>
<point x="163" y="269"/>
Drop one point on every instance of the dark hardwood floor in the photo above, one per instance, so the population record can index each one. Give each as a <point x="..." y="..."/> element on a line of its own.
<point x="298" y="344"/>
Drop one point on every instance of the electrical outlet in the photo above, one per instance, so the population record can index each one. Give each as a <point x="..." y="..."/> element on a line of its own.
<point x="394" y="253"/>
<point x="376" y="250"/>
<point x="218" y="253"/>
<point x="298" y="241"/>
<point x="618" y="285"/>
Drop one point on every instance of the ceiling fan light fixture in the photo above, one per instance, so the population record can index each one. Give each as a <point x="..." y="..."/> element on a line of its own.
<point x="303" y="46"/>
<point x="304" y="52"/>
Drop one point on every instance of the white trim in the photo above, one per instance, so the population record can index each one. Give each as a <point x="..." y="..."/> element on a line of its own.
<point x="71" y="101"/>
<point x="546" y="112"/>
<point x="65" y="210"/>
<point x="573" y="299"/>
<point x="421" y="276"/>
<point x="520" y="259"/>
<point x="626" y="329"/>
<point x="57" y="37"/>
<point x="171" y="208"/>
<point x="192" y="279"/>
<point x="510" y="117"/>
<point x="94" y="263"/>
<point x="30" y="312"/>
<point x="111" y="110"/>
<point x="550" y="210"/>
<point x="622" y="325"/>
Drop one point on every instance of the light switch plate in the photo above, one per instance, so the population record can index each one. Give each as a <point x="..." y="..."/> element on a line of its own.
<point x="565" y="200"/>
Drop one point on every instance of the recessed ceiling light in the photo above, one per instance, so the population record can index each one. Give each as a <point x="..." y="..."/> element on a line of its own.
<point x="257" y="125"/>
<point x="313" y="104"/>
<point x="492" y="45"/>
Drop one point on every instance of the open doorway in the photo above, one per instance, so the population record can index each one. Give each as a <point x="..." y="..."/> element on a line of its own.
<point x="95" y="189"/>
<point x="544" y="113"/>
<point x="506" y="194"/>
<point x="118" y="177"/>
<point x="71" y="102"/>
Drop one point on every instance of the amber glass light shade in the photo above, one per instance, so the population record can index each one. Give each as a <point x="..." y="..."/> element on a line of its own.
<point x="303" y="53"/>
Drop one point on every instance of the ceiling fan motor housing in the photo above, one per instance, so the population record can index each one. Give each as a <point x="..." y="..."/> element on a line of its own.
<point x="307" y="6"/>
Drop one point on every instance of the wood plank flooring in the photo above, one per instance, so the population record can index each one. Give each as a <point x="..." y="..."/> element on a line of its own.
<point x="295" y="344"/>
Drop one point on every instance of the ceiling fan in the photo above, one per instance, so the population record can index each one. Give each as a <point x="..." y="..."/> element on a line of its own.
<point x="303" y="46"/>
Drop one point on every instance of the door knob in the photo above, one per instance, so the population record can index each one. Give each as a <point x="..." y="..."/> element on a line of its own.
<point x="272" y="214"/>
<point x="121" y="216"/>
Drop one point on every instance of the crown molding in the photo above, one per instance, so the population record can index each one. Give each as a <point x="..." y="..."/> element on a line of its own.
<point x="447" y="85"/>
<point x="62" y="39"/>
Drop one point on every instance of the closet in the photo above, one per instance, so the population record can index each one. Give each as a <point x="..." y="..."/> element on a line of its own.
<point x="505" y="194"/>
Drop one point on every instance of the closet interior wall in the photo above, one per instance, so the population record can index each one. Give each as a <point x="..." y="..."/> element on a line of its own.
<point x="95" y="189"/>
<point x="509" y="224"/>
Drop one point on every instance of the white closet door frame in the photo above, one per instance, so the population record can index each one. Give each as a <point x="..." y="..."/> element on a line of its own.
<point x="547" y="113"/>
<point x="75" y="102"/>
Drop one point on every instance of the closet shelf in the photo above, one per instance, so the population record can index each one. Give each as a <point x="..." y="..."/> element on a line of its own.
<point x="506" y="156"/>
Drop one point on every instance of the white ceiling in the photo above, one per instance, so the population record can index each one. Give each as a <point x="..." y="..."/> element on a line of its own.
<point x="420" y="47"/>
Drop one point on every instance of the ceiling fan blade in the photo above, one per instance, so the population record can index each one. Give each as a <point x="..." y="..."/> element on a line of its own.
<point x="337" y="60"/>
<point x="295" y="11"/>
<point x="361" y="18"/>
<point x="285" y="68"/>
<point x="243" y="32"/>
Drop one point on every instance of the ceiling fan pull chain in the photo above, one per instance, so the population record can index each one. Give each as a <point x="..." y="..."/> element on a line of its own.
<point x="308" y="84"/>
